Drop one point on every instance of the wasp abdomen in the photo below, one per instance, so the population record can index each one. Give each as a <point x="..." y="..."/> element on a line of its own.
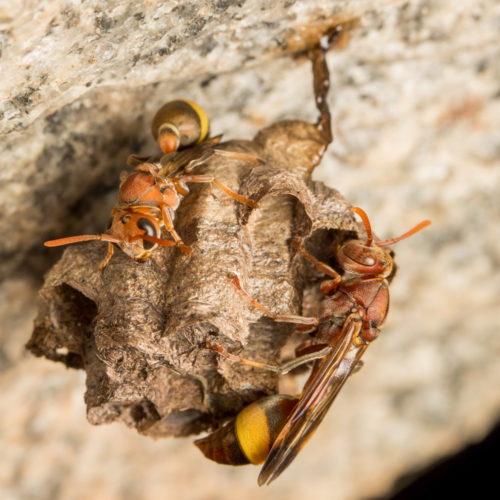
<point x="179" y="124"/>
<point x="222" y="446"/>
<point x="248" y="437"/>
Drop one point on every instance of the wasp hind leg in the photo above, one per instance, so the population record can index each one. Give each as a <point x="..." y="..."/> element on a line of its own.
<point x="211" y="178"/>
<point x="283" y="368"/>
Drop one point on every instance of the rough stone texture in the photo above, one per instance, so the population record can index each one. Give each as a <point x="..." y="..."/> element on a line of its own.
<point x="81" y="82"/>
<point x="416" y="104"/>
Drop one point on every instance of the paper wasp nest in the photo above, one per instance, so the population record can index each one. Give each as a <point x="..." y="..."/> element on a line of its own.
<point x="139" y="330"/>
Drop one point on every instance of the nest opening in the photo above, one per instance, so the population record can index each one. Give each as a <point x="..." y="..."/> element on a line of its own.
<point x="74" y="315"/>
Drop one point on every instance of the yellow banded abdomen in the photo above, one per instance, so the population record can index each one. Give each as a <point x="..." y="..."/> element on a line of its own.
<point x="183" y="120"/>
<point x="248" y="438"/>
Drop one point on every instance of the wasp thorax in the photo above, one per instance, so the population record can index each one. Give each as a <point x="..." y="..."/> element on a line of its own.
<point x="179" y="124"/>
<point x="357" y="257"/>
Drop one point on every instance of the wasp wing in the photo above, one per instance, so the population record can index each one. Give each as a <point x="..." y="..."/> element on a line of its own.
<point x="175" y="163"/>
<point x="321" y="389"/>
<point x="134" y="160"/>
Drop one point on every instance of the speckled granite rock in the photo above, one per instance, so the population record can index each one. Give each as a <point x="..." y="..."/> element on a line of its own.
<point x="416" y="107"/>
<point x="80" y="83"/>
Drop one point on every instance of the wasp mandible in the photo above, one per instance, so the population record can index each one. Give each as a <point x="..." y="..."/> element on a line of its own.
<point x="273" y="430"/>
<point x="149" y="196"/>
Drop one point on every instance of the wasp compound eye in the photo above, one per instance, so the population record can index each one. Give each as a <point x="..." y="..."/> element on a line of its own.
<point x="149" y="228"/>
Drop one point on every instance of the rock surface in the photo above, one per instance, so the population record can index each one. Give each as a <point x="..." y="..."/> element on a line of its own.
<point x="415" y="99"/>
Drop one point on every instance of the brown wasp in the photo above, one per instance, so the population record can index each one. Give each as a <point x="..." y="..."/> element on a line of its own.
<point x="274" y="429"/>
<point x="149" y="196"/>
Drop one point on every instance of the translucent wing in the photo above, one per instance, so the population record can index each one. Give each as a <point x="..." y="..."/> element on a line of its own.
<point x="321" y="389"/>
<point x="172" y="164"/>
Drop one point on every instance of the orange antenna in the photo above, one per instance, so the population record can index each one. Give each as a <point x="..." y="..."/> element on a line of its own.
<point x="366" y="223"/>
<point x="82" y="237"/>
<point x="409" y="233"/>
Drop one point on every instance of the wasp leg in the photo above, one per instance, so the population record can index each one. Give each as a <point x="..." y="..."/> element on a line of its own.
<point x="282" y="368"/>
<point x="236" y="155"/>
<point x="327" y="286"/>
<point x="180" y="187"/>
<point x="104" y="262"/>
<point x="358" y="366"/>
<point x="169" y="226"/>
<point x="280" y="318"/>
<point x="210" y="178"/>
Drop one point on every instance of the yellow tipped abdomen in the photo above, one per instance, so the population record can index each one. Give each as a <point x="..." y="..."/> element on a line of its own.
<point x="252" y="431"/>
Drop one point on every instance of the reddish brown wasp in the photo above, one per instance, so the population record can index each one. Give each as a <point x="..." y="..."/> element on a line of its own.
<point x="274" y="429"/>
<point x="150" y="195"/>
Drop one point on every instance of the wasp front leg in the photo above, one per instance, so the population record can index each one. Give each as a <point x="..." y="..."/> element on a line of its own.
<point x="327" y="286"/>
<point x="104" y="262"/>
<point x="169" y="226"/>
<point x="308" y="321"/>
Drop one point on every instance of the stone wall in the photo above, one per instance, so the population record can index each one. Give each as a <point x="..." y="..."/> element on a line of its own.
<point x="415" y="101"/>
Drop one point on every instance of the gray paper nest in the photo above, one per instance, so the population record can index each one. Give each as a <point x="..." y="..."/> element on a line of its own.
<point x="139" y="330"/>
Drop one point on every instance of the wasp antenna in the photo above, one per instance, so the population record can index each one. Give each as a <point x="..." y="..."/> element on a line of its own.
<point x="366" y="223"/>
<point x="409" y="233"/>
<point x="80" y="238"/>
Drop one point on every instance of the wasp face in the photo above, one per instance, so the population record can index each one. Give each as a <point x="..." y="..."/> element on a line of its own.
<point x="133" y="231"/>
<point x="357" y="257"/>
